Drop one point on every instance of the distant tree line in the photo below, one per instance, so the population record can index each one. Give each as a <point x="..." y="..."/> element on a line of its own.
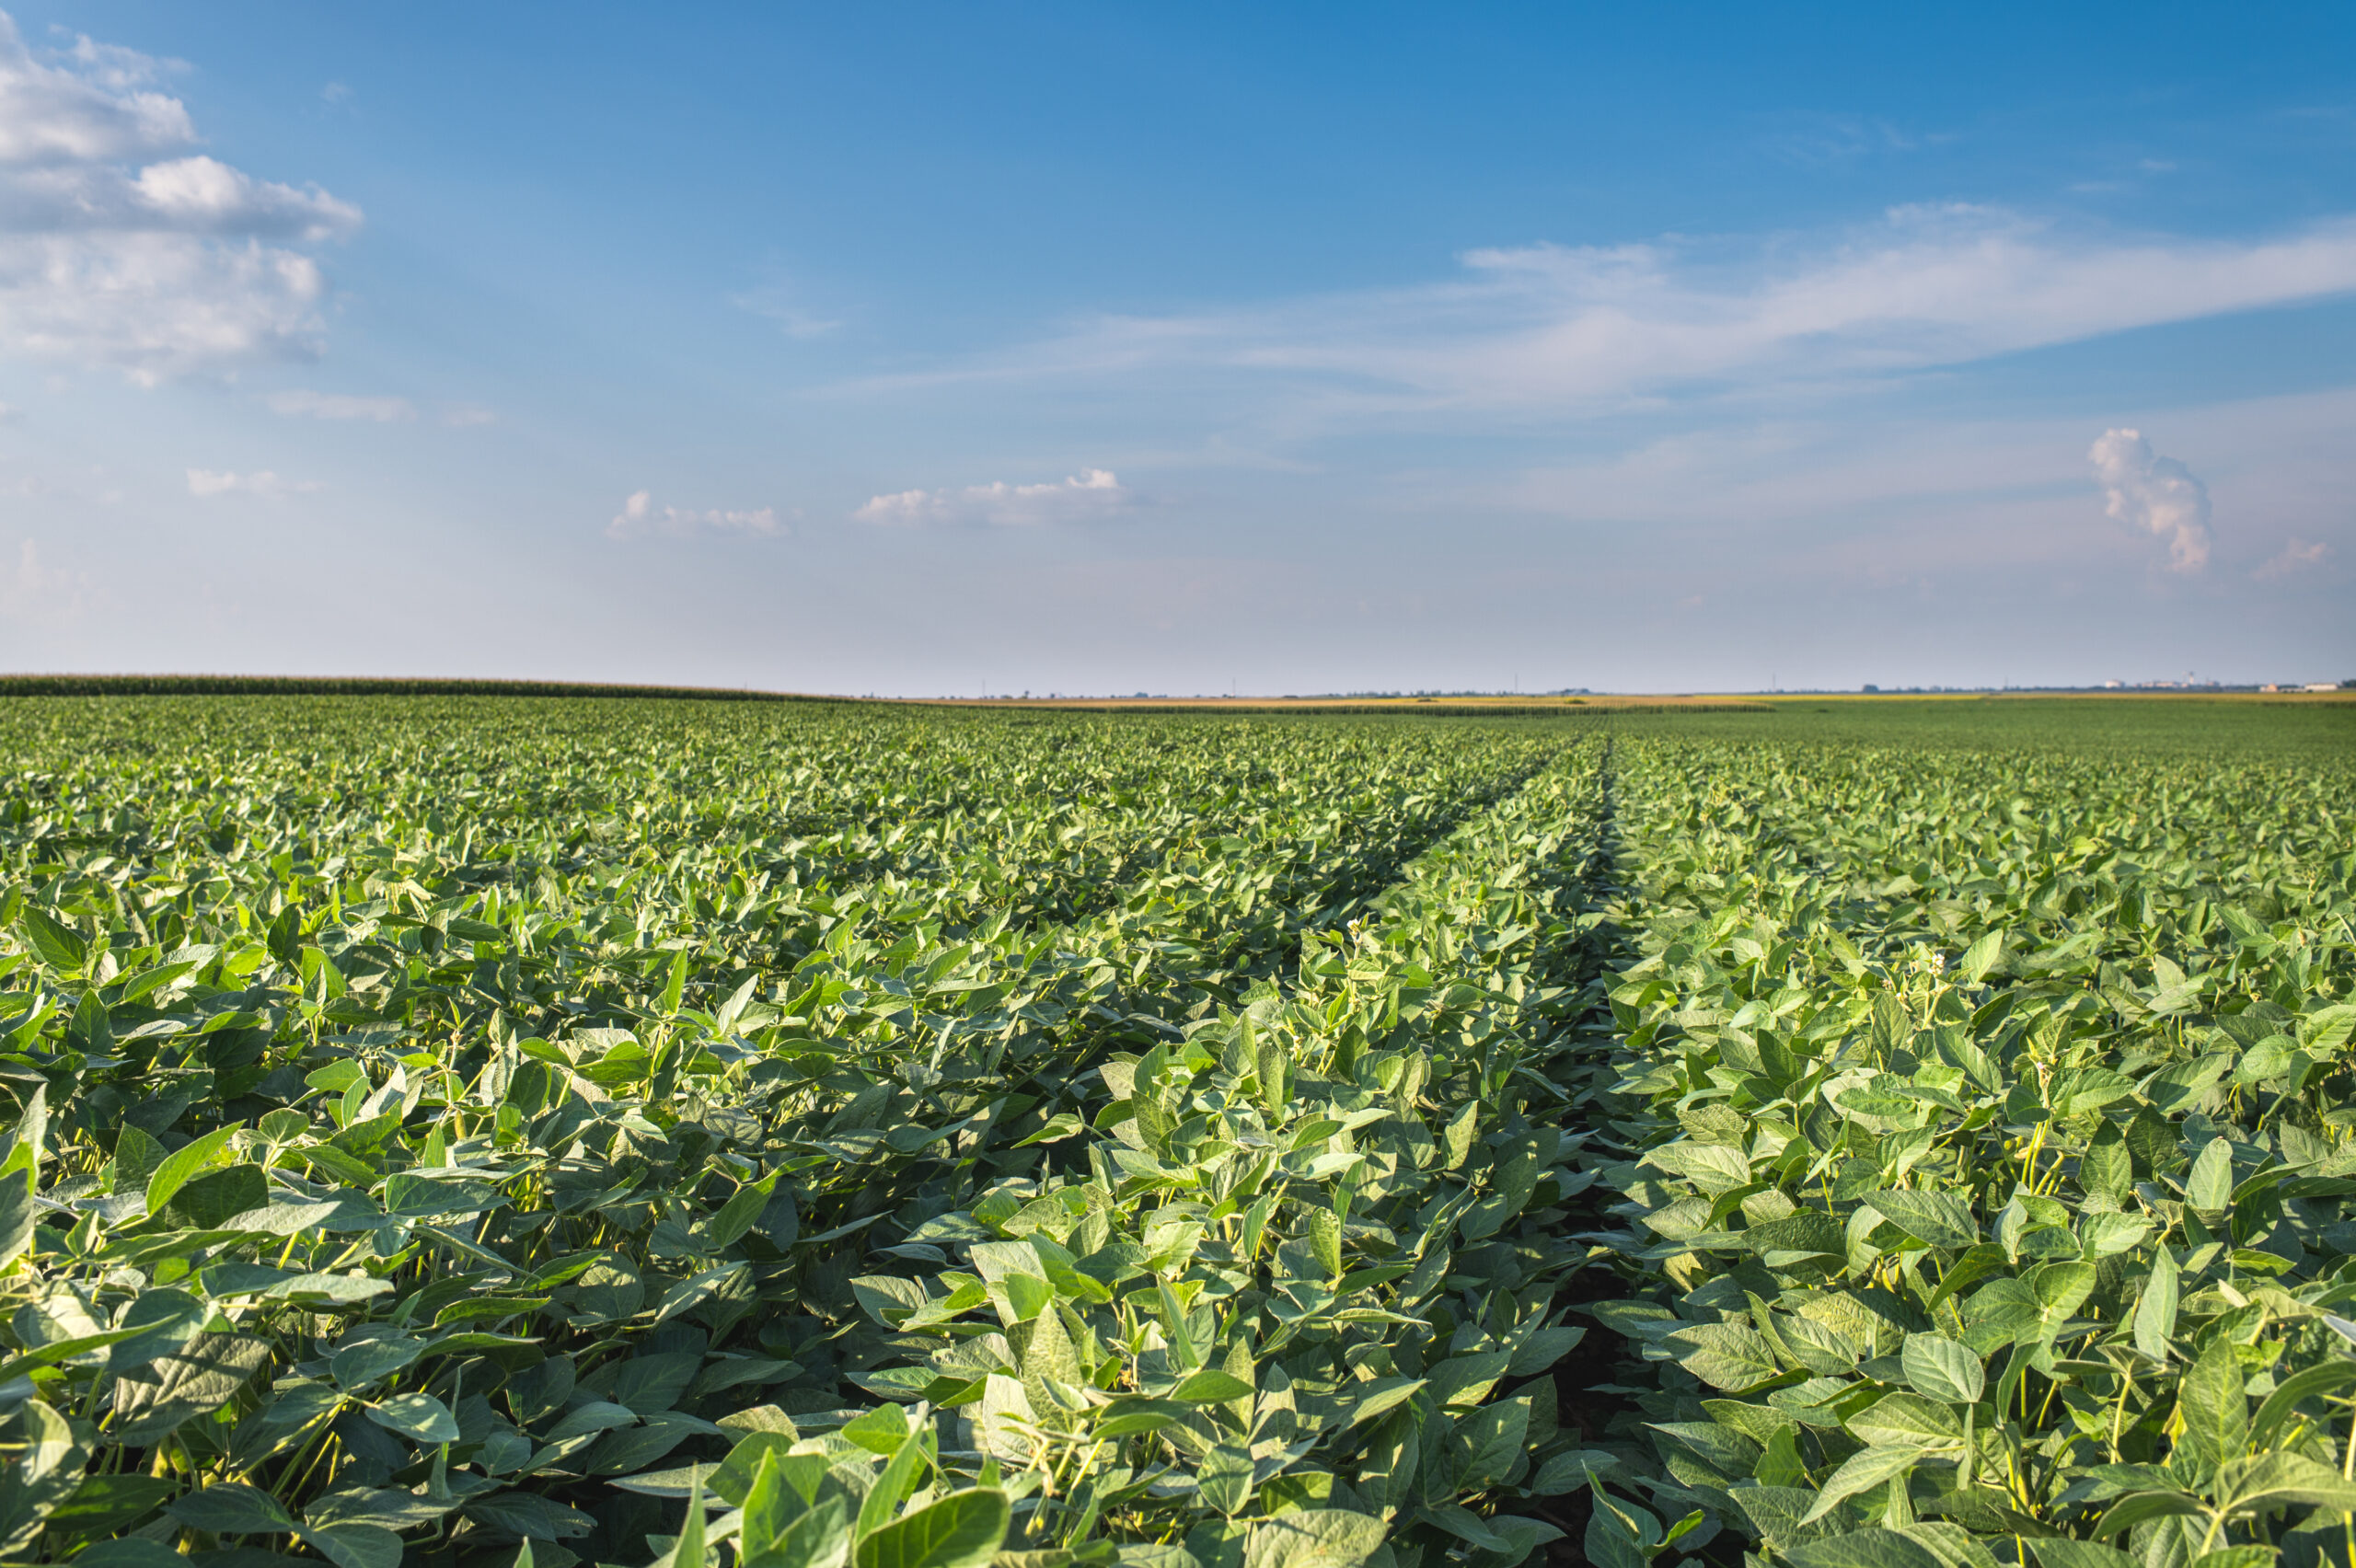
<point x="341" y="685"/>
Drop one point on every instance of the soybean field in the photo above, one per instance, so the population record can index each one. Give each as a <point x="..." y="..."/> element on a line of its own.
<point x="465" y="1132"/>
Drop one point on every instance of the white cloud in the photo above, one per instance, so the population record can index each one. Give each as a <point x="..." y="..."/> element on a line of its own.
<point x="2155" y="494"/>
<point x="640" y="518"/>
<point x="337" y="406"/>
<point x="460" y="416"/>
<point x="97" y="108"/>
<point x="261" y="482"/>
<point x="1551" y="330"/>
<point x="34" y="591"/>
<point x="119" y="248"/>
<point x="1086" y="496"/>
<point x="2297" y="558"/>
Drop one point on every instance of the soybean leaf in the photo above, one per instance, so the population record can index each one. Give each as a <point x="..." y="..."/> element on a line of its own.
<point x="961" y="1530"/>
<point x="231" y="1507"/>
<point x="1941" y="1369"/>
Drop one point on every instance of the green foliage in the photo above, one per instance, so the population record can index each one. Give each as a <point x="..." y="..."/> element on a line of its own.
<point x="1981" y="1127"/>
<point x="463" y="1134"/>
<point x="450" y="1131"/>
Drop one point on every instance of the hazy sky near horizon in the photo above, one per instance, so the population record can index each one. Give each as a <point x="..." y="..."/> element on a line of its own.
<point x="943" y="349"/>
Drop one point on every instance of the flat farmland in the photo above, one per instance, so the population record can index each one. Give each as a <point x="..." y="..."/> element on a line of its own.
<point x="472" y="1130"/>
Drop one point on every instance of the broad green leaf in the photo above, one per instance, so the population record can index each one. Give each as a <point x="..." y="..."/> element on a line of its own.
<point x="1724" y="1355"/>
<point x="2214" y="1409"/>
<point x="2210" y="1186"/>
<point x="360" y="1364"/>
<point x="1209" y="1385"/>
<point x="1981" y="957"/>
<point x="167" y="1320"/>
<point x="2062" y="1288"/>
<point x="53" y="942"/>
<point x="964" y="1529"/>
<point x="899" y="1475"/>
<point x="1864" y="1549"/>
<point x="689" y="1550"/>
<point x="1861" y="1472"/>
<point x="647" y="1384"/>
<point x="2155" y="1311"/>
<point x="2132" y="1510"/>
<point x="47" y="1472"/>
<point x="181" y="1166"/>
<point x="1941" y="1369"/>
<point x="2106" y="1168"/>
<point x="819" y="1536"/>
<point x="1780" y="1463"/>
<point x="229" y="1507"/>
<point x="1933" y="1218"/>
<point x="1313" y="1537"/>
<point x="1905" y="1421"/>
<point x="2282" y="1405"/>
<point x="19" y="1214"/>
<point x="356" y="1546"/>
<point x="2265" y="1480"/>
<point x="105" y="1505"/>
<point x="2056" y="1551"/>
<point x="742" y="1208"/>
<point x="1224" y="1481"/>
<point x="153" y="1402"/>
<point x="419" y="1417"/>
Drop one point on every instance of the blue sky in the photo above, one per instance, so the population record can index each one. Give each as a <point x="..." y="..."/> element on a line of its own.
<point x="1086" y="349"/>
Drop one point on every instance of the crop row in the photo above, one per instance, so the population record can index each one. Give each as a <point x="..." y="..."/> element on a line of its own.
<point x="1980" y="1133"/>
<point x="444" y="1132"/>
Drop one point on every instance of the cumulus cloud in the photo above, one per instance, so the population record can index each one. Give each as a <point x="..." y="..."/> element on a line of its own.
<point x="1089" y="496"/>
<point x="640" y="518"/>
<point x="261" y="482"/>
<point x="2158" y="495"/>
<point x="2296" y="558"/>
<point x="1553" y="330"/>
<point x="337" y="406"/>
<point x="122" y="247"/>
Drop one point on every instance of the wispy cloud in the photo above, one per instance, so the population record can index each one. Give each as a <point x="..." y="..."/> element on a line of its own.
<point x="261" y="482"/>
<point x="1820" y="140"/>
<point x="465" y="416"/>
<point x="119" y="248"/>
<point x="1552" y="331"/>
<point x="780" y="300"/>
<point x="2296" y="558"/>
<point x="640" y="518"/>
<point x="1089" y="496"/>
<point x="338" y="405"/>
<point x="2156" y="495"/>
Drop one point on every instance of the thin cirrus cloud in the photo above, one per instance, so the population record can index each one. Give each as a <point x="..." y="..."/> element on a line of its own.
<point x="304" y="404"/>
<point x="1089" y="496"/>
<point x="1552" y="331"/>
<point x="261" y="482"/>
<point x="2155" y="495"/>
<point x="640" y="518"/>
<point x="120" y="248"/>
